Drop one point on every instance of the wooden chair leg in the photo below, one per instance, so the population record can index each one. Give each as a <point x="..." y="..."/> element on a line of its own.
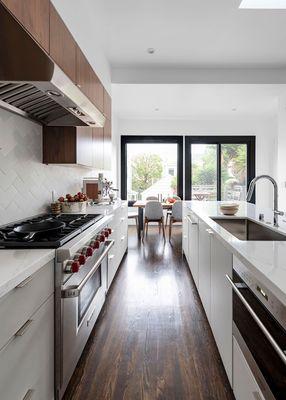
<point x="163" y="227"/>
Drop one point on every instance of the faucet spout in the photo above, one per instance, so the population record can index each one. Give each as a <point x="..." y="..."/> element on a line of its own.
<point x="275" y="197"/>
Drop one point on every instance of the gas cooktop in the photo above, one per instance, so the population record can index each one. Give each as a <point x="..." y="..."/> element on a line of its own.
<point x="73" y="224"/>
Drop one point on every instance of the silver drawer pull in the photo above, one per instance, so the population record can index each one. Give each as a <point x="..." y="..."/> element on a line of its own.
<point x="25" y="282"/>
<point x="267" y="334"/>
<point x="256" y="395"/>
<point x="111" y="257"/>
<point x="122" y="238"/>
<point x="122" y="219"/>
<point x="209" y="231"/>
<point x="24" y="328"/>
<point x="29" y="395"/>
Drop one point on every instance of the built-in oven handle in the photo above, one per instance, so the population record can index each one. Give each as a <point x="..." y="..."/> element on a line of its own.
<point x="74" y="291"/>
<point x="267" y="334"/>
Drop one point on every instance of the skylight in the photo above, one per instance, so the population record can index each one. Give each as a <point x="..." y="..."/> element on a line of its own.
<point x="263" y="4"/>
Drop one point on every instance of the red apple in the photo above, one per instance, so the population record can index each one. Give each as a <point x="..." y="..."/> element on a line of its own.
<point x="61" y="199"/>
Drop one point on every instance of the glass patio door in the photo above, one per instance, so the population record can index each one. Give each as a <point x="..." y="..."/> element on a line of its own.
<point x="218" y="168"/>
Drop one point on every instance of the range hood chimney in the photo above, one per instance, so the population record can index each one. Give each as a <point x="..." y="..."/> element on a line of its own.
<point x="32" y="85"/>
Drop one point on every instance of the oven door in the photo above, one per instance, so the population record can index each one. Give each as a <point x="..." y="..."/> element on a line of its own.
<point x="261" y="339"/>
<point x="83" y="296"/>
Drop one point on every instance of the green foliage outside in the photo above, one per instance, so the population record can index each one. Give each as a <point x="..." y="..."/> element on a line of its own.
<point x="146" y="170"/>
<point x="233" y="165"/>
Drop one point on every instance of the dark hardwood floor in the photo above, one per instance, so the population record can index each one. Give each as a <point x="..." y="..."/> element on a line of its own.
<point x="152" y="340"/>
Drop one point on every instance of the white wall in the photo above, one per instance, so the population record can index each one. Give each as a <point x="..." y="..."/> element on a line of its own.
<point x="265" y="131"/>
<point x="281" y="152"/>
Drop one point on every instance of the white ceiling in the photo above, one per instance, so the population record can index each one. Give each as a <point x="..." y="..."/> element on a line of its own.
<point x="195" y="101"/>
<point x="209" y="33"/>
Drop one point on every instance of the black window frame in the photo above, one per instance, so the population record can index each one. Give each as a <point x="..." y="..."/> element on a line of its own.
<point x="125" y="140"/>
<point x="250" y="141"/>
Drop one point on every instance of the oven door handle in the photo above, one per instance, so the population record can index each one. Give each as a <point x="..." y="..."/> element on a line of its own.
<point x="74" y="291"/>
<point x="267" y="334"/>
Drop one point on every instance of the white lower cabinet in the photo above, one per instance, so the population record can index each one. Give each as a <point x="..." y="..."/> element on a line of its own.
<point x="119" y="225"/>
<point x="27" y="360"/>
<point x="193" y="238"/>
<point x="204" y="272"/>
<point x="185" y="232"/>
<point x="221" y="302"/>
<point x="245" y="386"/>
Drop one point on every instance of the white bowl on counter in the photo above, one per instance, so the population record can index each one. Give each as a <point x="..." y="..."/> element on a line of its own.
<point x="229" y="208"/>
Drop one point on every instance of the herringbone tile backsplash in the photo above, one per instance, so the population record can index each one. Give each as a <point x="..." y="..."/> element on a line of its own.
<point x="25" y="183"/>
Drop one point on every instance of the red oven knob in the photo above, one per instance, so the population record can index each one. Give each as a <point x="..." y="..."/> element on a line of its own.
<point x="106" y="233"/>
<point x="71" y="267"/>
<point x="96" y="244"/>
<point x="81" y="259"/>
<point x="101" y="238"/>
<point x="75" y="266"/>
<point x="109" y="231"/>
<point x="89" y="251"/>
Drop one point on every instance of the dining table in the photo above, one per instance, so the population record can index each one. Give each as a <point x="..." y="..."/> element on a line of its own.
<point x="140" y="204"/>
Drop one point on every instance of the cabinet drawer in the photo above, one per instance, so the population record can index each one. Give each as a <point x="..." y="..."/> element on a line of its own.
<point x="245" y="386"/>
<point x="26" y="362"/>
<point x="19" y="304"/>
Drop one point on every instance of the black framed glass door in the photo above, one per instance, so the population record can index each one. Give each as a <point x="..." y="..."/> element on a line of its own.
<point x="151" y="166"/>
<point x="218" y="167"/>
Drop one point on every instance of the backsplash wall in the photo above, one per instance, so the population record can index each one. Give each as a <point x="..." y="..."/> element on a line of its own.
<point x="25" y="183"/>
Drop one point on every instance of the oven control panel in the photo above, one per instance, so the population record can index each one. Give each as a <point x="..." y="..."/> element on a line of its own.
<point x="87" y="251"/>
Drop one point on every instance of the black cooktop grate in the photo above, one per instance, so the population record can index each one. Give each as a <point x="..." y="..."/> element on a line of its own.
<point x="74" y="225"/>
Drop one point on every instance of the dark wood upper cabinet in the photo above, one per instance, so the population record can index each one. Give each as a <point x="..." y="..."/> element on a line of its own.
<point x="62" y="45"/>
<point x="107" y="105"/>
<point x="34" y="16"/>
<point x="68" y="145"/>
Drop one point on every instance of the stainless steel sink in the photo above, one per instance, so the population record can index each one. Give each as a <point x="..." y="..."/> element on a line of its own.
<point x="245" y="229"/>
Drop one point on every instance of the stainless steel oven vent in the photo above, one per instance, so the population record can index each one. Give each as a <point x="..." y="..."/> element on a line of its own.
<point x="32" y="85"/>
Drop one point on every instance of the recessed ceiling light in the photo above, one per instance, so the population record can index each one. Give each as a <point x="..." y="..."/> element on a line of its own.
<point x="263" y="4"/>
<point x="233" y="109"/>
<point x="151" y="50"/>
<point x="156" y="109"/>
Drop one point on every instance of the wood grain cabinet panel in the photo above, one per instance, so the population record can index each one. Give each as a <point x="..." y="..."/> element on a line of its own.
<point x="68" y="145"/>
<point x="107" y="105"/>
<point x="62" y="45"/>
<point x="34" y="16"/>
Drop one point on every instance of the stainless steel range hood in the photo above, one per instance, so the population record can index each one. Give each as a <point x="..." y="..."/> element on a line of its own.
<point x="32" y="85"/>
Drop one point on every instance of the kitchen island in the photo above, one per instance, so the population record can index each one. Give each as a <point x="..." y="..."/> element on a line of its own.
<point x="238" y="266"/>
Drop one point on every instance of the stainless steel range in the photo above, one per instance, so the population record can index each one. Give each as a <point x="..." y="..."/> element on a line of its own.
<point x="81" y="274"/>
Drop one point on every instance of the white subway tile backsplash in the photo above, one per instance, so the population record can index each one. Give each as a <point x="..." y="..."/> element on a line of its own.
<point x="25" y="183"/>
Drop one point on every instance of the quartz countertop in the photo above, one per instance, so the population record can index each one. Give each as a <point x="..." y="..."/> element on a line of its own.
<point x="265" y="259"/>
<point x="17" y="265"/>
<point x="104" y="208"/>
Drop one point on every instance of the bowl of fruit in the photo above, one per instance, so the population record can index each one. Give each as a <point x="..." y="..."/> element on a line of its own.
<point x="73" y="204"/>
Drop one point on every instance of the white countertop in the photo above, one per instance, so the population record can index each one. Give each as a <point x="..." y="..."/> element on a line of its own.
<point x="17" y="265"/>
<point x="265" y="259"/>
<point x="104" y="208"/>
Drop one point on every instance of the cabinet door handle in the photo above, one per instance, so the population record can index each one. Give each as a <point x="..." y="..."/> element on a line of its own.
<point x="209" y="231"/>
<point x="111" y="256"/>
<point x="256" y="395"/>
<point x="122" y="238"/>
<point x="25" y="282"/>
<point x="29" y="395"/>
<point x="267" y="334"/>
<point x="24" y="328"/>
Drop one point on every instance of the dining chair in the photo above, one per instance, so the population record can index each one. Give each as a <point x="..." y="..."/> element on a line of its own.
<point x="151" y="198"/>
<point x="176" y="216"/>
<point x="154" y="213"/>
<point x="133" y="215"/>
<point x="169" y="212"/>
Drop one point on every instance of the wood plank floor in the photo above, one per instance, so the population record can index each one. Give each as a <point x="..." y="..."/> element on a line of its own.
<point x="152" y="340"/>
